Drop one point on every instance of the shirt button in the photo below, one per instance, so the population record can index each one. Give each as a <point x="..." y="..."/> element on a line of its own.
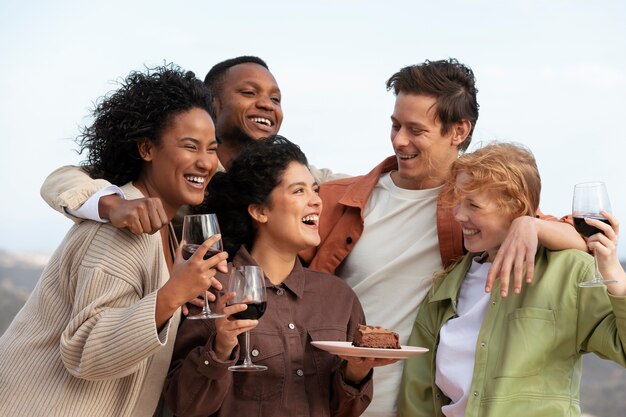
<point x="348" y="240"/>
<point x="206" y="362"/>
<point x="475" y="393"/>
<point x="280" y="291"/>
<point x="483" y="344"/>
<point x="493" y="302"/>
<point x="292" y="326"/>
<point x="299" y="372"/>
<point x="255" y="352"/>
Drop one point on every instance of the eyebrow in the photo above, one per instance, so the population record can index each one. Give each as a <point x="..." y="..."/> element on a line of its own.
<point x="410" y="123"/>
<point x="257" y="85"/>
<point x="196" y="141"/>
<point x="303" y="184"/>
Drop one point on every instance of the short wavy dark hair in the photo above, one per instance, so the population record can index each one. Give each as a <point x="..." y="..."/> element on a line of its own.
<point x="250" y="180"/>
<point x="451" y="83"/>
<point x="141" y="108"/>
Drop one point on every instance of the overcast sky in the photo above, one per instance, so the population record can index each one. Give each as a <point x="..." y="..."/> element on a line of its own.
<point x="551" y="75"/>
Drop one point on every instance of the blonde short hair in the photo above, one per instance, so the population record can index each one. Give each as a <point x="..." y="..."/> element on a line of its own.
<point x="507" y="171"/>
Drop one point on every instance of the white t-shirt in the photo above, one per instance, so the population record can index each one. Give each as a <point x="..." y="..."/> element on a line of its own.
<point x="391" y="268"/>
<point x="457" y="340"/>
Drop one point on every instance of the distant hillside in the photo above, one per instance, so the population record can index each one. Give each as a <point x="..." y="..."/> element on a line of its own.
<point x="602" y="384"/>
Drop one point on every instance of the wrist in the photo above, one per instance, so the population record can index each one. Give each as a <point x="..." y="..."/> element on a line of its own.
<point x="355" y="375"/>
<point x="223" y="352"/>
<point x="106" y="204"/>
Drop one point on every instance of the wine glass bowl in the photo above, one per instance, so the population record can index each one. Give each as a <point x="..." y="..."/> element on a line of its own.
<point x="197" y="228"/>
<point x="248" y="285"/>
<point x="590" y="200"/>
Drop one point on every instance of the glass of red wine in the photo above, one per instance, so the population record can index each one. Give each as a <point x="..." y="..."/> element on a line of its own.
<point x="196" y="229"/>
<point x="590" y="199"/>
<point x="248" y="284"/>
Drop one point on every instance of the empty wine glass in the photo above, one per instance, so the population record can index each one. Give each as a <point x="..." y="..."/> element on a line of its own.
<point x="248" y="284"/>
<point x="590" y="199"/>
<point x="196" y="229"/>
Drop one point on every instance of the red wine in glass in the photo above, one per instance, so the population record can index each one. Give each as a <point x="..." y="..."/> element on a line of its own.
<point x="254" y="311"/>
<point x="590" y="200"/>
<point x="248" y="285"/>
<point x="191" y="248"/>
<point x="585" y="229"/>
<point x="197" y="228"/>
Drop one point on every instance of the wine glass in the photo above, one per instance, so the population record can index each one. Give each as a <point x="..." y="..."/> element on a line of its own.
<point x="196" y="229"/>
<point x="590" y="199"/>
<point x="248" y="284"/>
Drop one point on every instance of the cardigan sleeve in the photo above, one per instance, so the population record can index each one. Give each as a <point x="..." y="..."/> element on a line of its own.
<point x="69" y="187"/>
<point x="112" y="289"/>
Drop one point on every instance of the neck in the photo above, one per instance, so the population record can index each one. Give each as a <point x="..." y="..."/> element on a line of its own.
<point x="227" y="151"/>
<point x="416" y="183"/>
<point x="147" y="189"/>
<point x="277" y="264"/>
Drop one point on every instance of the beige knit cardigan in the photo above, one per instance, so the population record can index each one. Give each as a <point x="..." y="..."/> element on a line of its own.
<point x="85" y="343"/>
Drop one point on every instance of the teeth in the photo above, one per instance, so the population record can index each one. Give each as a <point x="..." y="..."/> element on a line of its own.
<point x="311" y="219"/>
<point x="467" y="232"/>
<point x="197" y="180"/>
<point x="262" y="120"/>
<point x="407" y="155"/>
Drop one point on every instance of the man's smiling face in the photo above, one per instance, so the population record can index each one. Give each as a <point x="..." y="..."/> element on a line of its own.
<point x="247" y="105"/>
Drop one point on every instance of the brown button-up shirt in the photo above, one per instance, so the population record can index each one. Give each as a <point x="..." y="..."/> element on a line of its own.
<point x="301" y="380"/>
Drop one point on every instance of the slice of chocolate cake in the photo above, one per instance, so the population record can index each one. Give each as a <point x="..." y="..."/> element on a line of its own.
<point x="375" y="337"/>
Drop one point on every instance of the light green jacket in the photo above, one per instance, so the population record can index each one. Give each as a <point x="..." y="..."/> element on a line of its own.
<point x="528" y="353"/>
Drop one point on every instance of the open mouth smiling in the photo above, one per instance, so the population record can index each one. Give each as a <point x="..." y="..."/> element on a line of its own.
<point x="470" y="232"/>
<point x="195" y="179"/>
<point x="311" y="219"/>
<point x="262" y="121"/>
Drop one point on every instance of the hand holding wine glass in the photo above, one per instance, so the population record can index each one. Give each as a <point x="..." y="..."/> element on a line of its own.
<point x="590" y="201"/>
<point x="248" y="285"/>
<point x="197" y="229"/>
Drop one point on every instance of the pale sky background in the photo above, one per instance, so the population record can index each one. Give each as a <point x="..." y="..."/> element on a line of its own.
<point x="551" y="75"/>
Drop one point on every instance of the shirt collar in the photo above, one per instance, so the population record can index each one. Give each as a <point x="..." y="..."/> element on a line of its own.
<point x="294" y="282"/>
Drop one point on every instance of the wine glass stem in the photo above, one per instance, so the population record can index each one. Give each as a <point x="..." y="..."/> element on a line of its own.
<point x="247" y="361"/>
<point x="598" y="276"/>
<point x="207" y="309"/>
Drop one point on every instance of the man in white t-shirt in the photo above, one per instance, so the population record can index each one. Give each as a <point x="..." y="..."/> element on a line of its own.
<point x="386" y="233"/>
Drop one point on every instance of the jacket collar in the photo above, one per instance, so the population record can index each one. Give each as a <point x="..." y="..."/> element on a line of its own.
<point x="448" y="286"/>
<point x="359" y="192"/>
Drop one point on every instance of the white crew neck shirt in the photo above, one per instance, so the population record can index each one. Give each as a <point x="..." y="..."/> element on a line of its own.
<point x="457" y="340"/>
<point x="391" y="268"/>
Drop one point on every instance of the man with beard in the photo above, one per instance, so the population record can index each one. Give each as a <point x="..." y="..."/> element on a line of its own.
<point x="246" y="107"/>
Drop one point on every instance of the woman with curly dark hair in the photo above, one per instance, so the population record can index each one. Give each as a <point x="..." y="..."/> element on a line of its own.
<point x="268" y="206"/>
<point x="96" y="335"/>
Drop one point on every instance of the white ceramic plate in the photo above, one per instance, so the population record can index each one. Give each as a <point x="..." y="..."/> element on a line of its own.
<point x="346" y="349"/>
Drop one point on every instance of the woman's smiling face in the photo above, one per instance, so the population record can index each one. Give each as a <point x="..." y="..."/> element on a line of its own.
<point x="484" y="223"/>
<point x="178" y="169"/>
<point x="291" y="219"/>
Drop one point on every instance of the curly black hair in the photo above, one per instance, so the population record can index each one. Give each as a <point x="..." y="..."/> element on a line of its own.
<point x="141" y="108"/>
<point x="250" y="180"/>
<point x="453" y="85"/>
